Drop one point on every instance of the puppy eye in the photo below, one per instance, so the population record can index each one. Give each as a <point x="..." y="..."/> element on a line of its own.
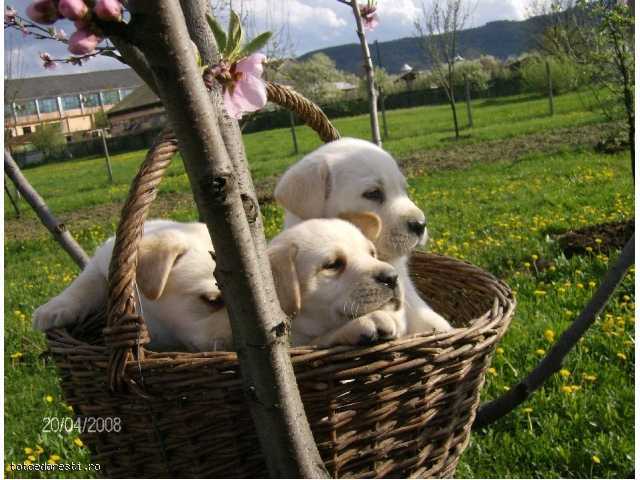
<point x="212" y="300"/>
<point x="373" y="253"/>
<point x="334" y="265"/>
<point x="375" y="195"/>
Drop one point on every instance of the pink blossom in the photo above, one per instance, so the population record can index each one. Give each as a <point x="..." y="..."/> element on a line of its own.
<point x="109" y="10"/>
<point x="9" y="15"/>
<point x="43" y="11"/>
<point x="73" y="9"/>
<point x="83" y="42"/>
<point x="246" y="92"/>
<point x="60" y="34"/>
<point x="47" y="61"/>
<point x="369" y="17"/>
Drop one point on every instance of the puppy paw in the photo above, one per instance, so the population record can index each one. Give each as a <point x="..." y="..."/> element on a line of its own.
<point x="55" y="313"/>
<point x="370" y="328"/>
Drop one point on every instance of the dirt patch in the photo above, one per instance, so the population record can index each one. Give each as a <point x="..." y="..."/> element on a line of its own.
<point x="596" y="238"/>
<point x="466" y="154"/>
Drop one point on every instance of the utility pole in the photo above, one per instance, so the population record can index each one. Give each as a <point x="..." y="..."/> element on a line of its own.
<point x="550" y="87"/>
<point x="467" y="93"/>
<point x="106" y="154"/>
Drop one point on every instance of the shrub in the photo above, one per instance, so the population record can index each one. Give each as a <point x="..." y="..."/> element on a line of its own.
<point x="565" y="75"/>
<point x="49" y="140"/>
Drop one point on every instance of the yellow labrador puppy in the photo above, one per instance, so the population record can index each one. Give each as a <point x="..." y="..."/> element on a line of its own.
<point x="351" y="175"/>
<point x="327" y="278"/>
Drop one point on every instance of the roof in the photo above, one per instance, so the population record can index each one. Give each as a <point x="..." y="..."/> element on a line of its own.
<point x="55" y="85"/>
<point x="141" y="98"/>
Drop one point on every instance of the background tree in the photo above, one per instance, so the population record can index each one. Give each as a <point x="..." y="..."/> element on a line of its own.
<point x="598" y="36"/>
<point x="315" y="77"/>
<point x="437" y="29"/>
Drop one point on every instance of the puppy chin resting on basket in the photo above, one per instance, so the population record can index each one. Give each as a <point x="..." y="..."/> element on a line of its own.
<point x="326" y="274"/>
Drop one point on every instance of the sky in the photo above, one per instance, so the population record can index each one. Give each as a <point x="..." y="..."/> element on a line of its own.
<point x="313" y="24"/>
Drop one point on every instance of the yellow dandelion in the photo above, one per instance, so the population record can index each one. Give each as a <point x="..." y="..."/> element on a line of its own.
<point x="589" y="378"/>
<point x="579" y="285"/>
<point x="539" y="293"/>
<point x="16" y="355"/>
<point x="48" y="399"/>
<point x="561" y="290"/>
<point x="500" y="350"/>
<point x="550" y="335"/>
<point x="621" y="356"/>
<point x="552" y="268"/>
<point x="598" y="241"/>
<point x="32" y="458"/>
<point x="492" y="371"/>
<point x="589" y="249"/>
<point x="534" y="257"/>
<point x="78" y="442"/>
<point x="540" y="352"/>
<point x="626" y="298"/>
<point x="55" y="457"/>
<point x="28" y="451"/>
<point x="51" y="462"/>
<point x="595" y="459"/>
<point x="527" y="264"/>
<point x="564" y="373"/>
<point x="592" y="284"/>
<point x="527" y="410"/>
<point x="39" y="450"/>
<point x="575" y="388"/>
<point x="506" y="389"/>
<point x="27" y="462"/>
<point x="566" y="389"/>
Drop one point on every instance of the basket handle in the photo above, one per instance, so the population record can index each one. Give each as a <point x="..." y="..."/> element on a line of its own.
<point x="126" y="330"/>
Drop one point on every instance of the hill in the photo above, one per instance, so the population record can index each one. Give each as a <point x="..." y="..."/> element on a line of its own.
<point x="501" y="39"/>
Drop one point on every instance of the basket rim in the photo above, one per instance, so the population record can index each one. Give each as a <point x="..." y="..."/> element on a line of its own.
<point x="497" y="317"/>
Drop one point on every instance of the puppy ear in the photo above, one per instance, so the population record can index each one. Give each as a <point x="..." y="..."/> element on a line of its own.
<point x="368" y="222"/>
<point x="285" y="277"/>
<point x="157" y="254"/>
<point x="304" y="187"/>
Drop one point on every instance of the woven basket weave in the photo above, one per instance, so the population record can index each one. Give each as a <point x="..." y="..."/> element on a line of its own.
<point x="402" y="408"/>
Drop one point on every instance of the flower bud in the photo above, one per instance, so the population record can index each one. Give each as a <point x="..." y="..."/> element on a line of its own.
<point x="83" y="42"/>
<point x="43" y="11"/>
<point x="73" y="9"/>
<point x="109" y="10"/>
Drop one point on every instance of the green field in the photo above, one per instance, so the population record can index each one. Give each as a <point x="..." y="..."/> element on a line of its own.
<point x="491" y="202"/>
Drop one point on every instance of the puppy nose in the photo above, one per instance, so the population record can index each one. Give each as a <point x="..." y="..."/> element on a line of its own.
<point x="388" y="278"/>
<point x="416" y="227"/>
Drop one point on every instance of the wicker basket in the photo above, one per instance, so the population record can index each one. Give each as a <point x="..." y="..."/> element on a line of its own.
<point x="397" y="409"/>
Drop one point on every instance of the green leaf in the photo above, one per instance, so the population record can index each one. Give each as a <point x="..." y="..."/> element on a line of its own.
<point x="218" y="33"/>
<point x="255" y="44"/>
<point x="235" y="37"/>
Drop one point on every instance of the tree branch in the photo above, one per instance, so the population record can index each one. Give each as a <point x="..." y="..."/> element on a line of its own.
<point x="492" y="411"/>
<point x="57" y="229"/>
<point x="368" y="70"/>
<point x="258" y="324"/>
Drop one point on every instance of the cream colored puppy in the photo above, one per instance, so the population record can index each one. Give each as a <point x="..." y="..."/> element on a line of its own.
<point x="351" y="175"/>
<point x="182" y="305"/>
<point x="329" y="279"/>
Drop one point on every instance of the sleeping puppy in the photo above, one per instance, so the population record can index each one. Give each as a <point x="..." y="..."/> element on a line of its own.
<point x="326" y="277"/>
<point x="351" y="175"/>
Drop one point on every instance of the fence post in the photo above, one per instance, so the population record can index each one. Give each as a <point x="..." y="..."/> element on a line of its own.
<point x="467" y="93"/>
<point x="106" y="155"/>
<point x="12" y="200"/>
<point x="294" y="138"/>
<point x="550" y="87"/>
<point x="381" y="90"/>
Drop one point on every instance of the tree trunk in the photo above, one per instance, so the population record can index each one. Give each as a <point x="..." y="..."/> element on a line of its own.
<point x="259" y="325"/>
<point x="294" y="138"/>
<point x="467" y="92"/>
<point x="368" y="69"/>
<point x="452" y="104"/>
<point x="57" y="229"/>
<point x="549" y="87"/>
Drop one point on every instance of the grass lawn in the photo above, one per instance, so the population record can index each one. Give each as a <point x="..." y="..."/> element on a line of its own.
<point x="502" y="216"/>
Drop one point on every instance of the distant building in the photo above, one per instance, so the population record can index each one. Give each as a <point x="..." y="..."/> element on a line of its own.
<point x="69" y="100"/>
<point x="141" y="110"/>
